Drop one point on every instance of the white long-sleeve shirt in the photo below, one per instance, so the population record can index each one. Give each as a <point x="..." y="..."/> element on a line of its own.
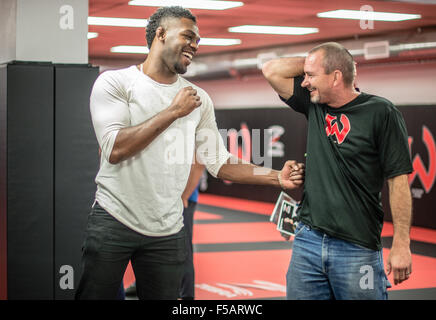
<point x="144" y="191"/>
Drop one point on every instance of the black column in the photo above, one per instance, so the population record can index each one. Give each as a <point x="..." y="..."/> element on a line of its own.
<point x="76" y="165"/>
<point x="29" y="186"/>
<point x="3" y="184"/>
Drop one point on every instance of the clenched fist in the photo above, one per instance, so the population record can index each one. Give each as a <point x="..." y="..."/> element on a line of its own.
<point x="185" y="102"/>
<point x="292" y="175"/>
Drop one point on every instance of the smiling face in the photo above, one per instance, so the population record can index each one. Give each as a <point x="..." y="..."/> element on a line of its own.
<point x="181" y="44"/>
<point x="316" y="80"/>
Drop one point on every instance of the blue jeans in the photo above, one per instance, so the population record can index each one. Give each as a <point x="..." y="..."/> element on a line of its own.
<point x="109" y="245"/>
<point x="325" y="268"/>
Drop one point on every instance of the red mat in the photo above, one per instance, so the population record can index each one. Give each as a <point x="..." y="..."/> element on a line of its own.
<point x="235" y="232"/>
<point x="223" y="275"/>
<point x="200" y="215"/>
<point x="236" y="204"/>
<point x="423" y="234"/>
<point x="261" y="273"/>
<point x="235" y="275"/>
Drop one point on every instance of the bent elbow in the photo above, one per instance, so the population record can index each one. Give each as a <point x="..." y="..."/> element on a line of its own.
<point x="267" y="69"/>
<point x="115" y="157"/>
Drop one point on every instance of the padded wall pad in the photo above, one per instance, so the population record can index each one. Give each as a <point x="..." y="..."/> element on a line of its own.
<point x="76" y="165"/>
<point x="30" y="181"/>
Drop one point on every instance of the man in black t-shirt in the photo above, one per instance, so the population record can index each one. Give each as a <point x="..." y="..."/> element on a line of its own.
<point x="355" y="141"/>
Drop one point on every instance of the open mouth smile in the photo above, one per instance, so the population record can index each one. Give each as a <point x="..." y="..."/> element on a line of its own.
<point x="188" y="55"/>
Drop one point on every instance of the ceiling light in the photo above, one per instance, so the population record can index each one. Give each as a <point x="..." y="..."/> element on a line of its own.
<point x="219" y="42"/>
<point x="117" y="22"/>
<point x="92" y="35"/>
<point x="273" y="30"/>
<point x="368" y="15"/>
<point x="130" y="49"/>
<point x="193" y="4"/>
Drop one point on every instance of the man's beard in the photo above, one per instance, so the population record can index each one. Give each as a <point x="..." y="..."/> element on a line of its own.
<point x="180" y="68"/>
<point x="315" y="99"/>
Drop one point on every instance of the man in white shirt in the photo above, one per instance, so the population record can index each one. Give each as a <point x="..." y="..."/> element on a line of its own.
<point x="149" y="121"/>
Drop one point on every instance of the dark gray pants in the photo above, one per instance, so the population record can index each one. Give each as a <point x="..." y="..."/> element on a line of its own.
<point x="109" y="245"/>
<point x="187" y="289"/>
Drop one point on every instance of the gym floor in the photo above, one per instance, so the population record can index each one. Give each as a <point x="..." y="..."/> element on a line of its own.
<point x="239" y="254"/>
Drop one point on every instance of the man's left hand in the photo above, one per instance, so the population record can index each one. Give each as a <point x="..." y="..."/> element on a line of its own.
<point x="400" y="263"/>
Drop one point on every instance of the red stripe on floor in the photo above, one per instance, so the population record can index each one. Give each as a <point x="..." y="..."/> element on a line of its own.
<point x="423" y="234"/>
<point x="416" y="233"/>
<point x="200" y="215"/>
<point x="236" y="204"/>
<point x="236" y="232"/>
<point x="388" y="230"/>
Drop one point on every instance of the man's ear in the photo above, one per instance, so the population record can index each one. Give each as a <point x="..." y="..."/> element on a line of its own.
<point x="161" y="33"/>
<point x="338" y="77"/>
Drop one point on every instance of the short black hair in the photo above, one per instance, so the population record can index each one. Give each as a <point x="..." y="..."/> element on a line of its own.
<point x="155" y="21"/>
<point x="337" y="57"/>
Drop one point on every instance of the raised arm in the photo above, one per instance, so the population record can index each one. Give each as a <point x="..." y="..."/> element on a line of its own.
<point x="280" y="73"/>
<point x="400" y="258"/>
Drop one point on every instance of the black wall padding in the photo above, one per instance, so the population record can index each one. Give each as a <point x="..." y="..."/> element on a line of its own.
<point x="76" y="165"/>
<point x="50" y="165"/>
<point x="30" y="181"/>
<point x="3" y="185"/>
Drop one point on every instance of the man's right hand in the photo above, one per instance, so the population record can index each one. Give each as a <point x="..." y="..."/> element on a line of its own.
<point x="131" y="140"/>
<point x="185" y="102"/>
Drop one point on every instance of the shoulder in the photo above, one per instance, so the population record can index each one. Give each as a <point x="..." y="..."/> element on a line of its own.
<point x="383" y="110"/>
<point x="380" y="104"/>
<point x="378" y="100"/>
<point x="116" y="82"/>
<point x="120" y="78"/>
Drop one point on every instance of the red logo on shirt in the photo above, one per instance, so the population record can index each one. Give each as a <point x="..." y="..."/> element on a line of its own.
<point x="332" y="127"/>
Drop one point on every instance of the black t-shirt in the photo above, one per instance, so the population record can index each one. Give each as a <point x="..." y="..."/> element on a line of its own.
<point x="351" y="150"/>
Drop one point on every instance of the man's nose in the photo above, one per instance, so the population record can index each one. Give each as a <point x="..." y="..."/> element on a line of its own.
<point x="194" y="45"/>
<point x="305" y="82"/>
